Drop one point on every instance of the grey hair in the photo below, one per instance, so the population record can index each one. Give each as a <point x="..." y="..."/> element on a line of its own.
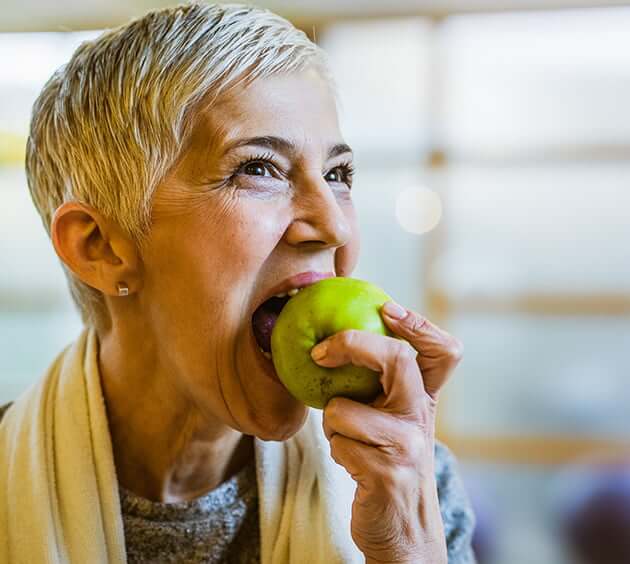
<point x="109" y="124"/>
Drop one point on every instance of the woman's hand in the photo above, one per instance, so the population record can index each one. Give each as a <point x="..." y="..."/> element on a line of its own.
<point x="387" y="447"/>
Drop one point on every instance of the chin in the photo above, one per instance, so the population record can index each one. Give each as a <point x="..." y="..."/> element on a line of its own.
<point x="281" y="427"/>
<point x="266" y="409"/>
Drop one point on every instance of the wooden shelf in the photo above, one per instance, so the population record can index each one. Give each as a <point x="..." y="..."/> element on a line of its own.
<point x="538" y="304"/>
<point x="534" y="449"/>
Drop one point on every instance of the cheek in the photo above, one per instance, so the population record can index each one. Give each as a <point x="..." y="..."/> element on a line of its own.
<point x="214" y="254"/>
<point x="199" y="273"/>
<point x="346" y="257"/>
<point x="245" y="244"/>
<point x="256" y="235"/>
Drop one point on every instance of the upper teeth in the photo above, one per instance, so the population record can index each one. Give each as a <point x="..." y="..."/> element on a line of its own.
<point x="291" y="292"/>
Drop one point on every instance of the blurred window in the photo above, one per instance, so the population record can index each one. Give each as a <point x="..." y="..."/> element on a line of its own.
<point x="533" y="262"/>
<point x="37" y="318"/>
<point x="536" y="85"/>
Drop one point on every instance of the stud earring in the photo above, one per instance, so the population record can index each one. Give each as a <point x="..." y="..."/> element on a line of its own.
<point x="123" y="289"/>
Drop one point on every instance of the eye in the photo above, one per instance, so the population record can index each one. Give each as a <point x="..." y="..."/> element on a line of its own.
<point x="256" y="168"/>
<point x="341" y="174"/>
<point x="335" y="175"/>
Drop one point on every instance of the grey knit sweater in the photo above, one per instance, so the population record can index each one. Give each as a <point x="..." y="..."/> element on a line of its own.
<point x="222" y="526"/>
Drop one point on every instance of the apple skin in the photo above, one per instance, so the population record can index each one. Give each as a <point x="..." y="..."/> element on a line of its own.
<point x="315" y="313"/>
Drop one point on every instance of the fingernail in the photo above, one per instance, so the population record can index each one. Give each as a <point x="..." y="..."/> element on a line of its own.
<point x="319" y="351"/>
<point x="395" y="311"/>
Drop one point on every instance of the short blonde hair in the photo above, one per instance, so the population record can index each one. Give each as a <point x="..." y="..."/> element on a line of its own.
<point x="109" y="124"/>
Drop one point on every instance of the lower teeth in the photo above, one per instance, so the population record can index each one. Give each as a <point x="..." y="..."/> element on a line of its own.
<point x="267" y="354"/>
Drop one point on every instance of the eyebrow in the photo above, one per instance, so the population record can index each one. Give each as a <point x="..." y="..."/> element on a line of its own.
<point x="281" y="145"/>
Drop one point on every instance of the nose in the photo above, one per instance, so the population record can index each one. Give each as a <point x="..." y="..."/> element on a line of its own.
<point x="319" y="220"/>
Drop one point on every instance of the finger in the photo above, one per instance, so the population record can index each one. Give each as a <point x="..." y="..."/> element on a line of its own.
<point x="394" y="358"/>
<point x="370" y="467"/>
<point x="439" y="352"/>
<point x="347" y="453"/>
<point x="360" y="348"/>
<point x="424" y="336"/>
<point x="360" y="422"/>
<point x="360" y="460"/>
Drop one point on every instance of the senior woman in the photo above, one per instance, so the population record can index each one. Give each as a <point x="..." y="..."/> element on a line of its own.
<point x="188" y="166"/>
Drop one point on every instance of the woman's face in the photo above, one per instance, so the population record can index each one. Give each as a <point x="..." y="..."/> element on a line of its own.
<point x="261" y="194"/>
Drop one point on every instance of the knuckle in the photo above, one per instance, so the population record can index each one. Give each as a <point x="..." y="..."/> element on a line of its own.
<point x="405" y="352"/>
<point x="420" y="447"/>
<point x="348" y="337"/>
<point x="331" y="410"/>
<point x="410" y="445"/>
<point x="404" y="448"/>
<point x="416" y="322"/>
<point x="455" y="350"/>
<point x="403" y="355"/>
<point x="394" y="479"/>
<point x="334" y="448"/>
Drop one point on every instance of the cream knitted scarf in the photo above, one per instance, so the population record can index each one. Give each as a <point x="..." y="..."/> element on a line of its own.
<point x="59" y="499"/>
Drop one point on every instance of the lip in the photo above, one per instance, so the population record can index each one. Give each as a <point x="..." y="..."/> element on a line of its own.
<point x="300" y="280"/>
<point x="263" y="362"/>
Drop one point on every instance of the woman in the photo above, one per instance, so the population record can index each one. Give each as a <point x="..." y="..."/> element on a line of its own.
<point x="188" y="166"/>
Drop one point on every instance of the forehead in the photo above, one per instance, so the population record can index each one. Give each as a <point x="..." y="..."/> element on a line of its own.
<point x="299" y="107"/>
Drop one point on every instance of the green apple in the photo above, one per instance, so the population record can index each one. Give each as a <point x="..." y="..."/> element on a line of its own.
<point x="316" y="312"/>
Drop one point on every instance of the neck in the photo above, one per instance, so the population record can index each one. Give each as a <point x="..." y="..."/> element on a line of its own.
<point x="164" y="448"/>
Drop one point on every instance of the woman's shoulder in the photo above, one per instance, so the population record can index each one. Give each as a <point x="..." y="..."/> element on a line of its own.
<point x="457" y="513"/>
<point x="4" y="409"/>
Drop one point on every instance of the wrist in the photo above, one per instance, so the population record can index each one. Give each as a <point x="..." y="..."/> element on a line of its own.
<point x="407" y="561"/>
<point x="427" y="551"/>
<point x="428" y="558"/>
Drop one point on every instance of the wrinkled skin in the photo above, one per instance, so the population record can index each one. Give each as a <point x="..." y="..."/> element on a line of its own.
<point x="181" y="377"/>
<point x="388" y="446"/>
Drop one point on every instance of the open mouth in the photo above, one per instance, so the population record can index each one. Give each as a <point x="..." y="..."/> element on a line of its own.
<point x="265" y="317"/>
<point x="266" y="314"/>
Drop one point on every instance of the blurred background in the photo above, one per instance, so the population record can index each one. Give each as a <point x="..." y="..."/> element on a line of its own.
<point x="492" y="143"/>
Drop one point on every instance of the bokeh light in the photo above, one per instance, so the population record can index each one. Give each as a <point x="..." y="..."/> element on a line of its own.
<point x="418" y="209"/>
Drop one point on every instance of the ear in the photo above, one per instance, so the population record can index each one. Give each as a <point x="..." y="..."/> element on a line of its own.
<point x="95" y="249"/>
